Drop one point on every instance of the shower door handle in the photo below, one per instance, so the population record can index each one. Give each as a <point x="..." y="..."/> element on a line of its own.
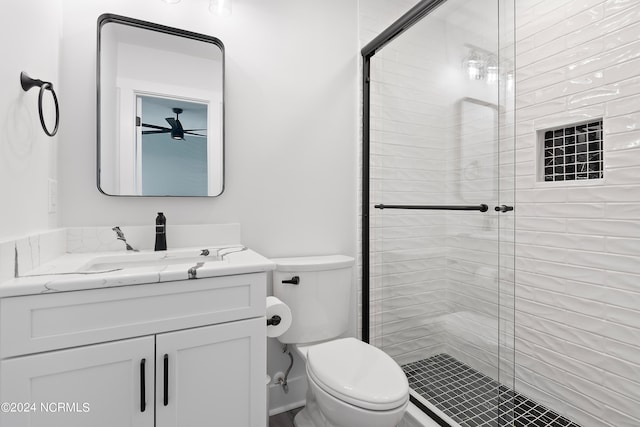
<point x="503" y="208"/>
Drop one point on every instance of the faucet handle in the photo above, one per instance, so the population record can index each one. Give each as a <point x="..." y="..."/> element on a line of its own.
<point x="118" y="232"/>
<point x="120" y="235"/>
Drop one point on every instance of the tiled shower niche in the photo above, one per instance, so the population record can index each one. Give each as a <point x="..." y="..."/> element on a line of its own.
<point x="572" y="153"/>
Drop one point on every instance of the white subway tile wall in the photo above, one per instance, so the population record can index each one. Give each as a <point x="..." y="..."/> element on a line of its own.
<point x="577" y="252"/>
<point x="408" y="162"/>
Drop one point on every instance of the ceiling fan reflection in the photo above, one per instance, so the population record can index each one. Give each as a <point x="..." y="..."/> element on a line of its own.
<point x="176" y="130"/>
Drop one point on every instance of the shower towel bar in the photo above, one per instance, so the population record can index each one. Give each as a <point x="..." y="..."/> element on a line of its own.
<point x="481" y="208"/>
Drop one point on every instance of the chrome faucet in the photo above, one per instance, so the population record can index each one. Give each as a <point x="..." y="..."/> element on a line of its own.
<point x="121" y="237"/>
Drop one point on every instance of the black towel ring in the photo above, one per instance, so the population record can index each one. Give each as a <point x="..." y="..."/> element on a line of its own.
<point x="27" y="83"/>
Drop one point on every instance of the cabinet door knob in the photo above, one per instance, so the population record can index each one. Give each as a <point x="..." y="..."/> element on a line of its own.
<point x="143" y="402"/>
<point x="166" y="379"/>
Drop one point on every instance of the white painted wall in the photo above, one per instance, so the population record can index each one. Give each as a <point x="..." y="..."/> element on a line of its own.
<point x="291" y="127"/>
<point x="31" y="32"/>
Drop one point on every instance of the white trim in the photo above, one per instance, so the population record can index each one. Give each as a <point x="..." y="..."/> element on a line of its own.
<point x="287" y="407"/>
<point x="295" y="398"/>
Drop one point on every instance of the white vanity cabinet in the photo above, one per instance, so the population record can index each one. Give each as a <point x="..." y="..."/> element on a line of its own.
<point x="104" y="376"/>
<point x="172" y="354"/>
<point x="211" y="376"/>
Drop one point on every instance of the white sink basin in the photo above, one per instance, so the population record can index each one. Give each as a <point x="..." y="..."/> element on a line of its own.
<point x="151" y="259"/>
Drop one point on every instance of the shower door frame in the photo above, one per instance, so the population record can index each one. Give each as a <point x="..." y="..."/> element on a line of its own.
<point x="406" y="21"/>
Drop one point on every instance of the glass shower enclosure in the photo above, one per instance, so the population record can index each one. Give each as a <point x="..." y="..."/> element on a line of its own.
<point x="437" y="206"/>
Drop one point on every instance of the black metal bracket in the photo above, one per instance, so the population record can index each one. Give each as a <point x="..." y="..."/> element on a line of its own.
<point x="27" y="83"/>
<point x="274" y="321"/>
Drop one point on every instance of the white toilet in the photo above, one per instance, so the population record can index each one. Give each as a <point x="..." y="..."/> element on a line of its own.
<point x="351" y="383"/>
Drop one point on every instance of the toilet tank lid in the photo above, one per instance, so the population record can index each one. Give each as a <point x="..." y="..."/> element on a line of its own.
<point x="313" y="263"/>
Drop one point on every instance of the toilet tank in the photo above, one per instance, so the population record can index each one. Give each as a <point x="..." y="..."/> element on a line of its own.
<point x="321" y="301"/>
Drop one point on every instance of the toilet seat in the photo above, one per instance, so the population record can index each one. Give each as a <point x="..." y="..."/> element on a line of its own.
<point x="358" y="373"/>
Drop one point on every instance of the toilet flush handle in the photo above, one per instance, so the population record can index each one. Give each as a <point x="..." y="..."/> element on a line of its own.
<point x="295" y="280"/>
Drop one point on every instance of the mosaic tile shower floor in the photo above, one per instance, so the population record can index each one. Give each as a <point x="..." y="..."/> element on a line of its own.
<point x="473" y="399"/>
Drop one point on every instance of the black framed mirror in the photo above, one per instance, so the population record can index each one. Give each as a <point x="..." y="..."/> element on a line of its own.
<point x="160" y="110"/>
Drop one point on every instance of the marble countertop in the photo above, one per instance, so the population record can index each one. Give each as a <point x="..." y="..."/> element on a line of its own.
<point x="81" y="271"/>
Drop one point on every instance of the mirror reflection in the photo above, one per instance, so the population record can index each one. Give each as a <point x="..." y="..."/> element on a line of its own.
<point x="160" y="118"/>
<point x="173" y="156"/>
<point x="478" y="148"/>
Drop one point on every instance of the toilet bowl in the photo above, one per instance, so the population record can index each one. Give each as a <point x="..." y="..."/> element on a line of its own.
<point x="350" y="383"/>
<point x="332" y="412"/>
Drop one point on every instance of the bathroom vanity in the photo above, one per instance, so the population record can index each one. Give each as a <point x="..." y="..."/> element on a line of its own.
<point x="141" y="345"/>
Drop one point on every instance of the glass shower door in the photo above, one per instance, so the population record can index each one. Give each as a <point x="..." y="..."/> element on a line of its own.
<point x="441" y="225"/>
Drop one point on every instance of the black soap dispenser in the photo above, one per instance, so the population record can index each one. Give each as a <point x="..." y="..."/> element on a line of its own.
<point x="161" y="232"/>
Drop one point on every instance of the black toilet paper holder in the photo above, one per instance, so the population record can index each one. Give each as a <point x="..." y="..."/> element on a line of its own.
<point x="274" y="320"/>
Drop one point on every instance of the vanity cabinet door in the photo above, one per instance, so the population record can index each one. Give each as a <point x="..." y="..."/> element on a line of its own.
<point x="212" y="376"/>
<point x="97" y="386"/>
